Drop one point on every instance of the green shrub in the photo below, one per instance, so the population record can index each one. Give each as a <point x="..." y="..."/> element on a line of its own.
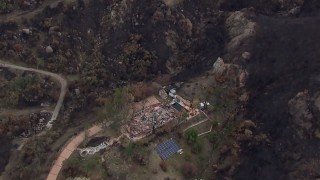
<point x="191" y="136"/>
<point x="5" y="7"/>
<point x="213" y="137"/>
<point x="197" y="147"/>
<point x="130" y="149"/>
<point x="22" y="83"/>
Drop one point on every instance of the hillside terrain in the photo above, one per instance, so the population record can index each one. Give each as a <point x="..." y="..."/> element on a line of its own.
<point x="254" y="61"/>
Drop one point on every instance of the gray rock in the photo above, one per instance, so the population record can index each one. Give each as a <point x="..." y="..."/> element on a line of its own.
<point x="294" y="11"/>
<point x="243" y="78"/>
<point x="246" y="55"/>
<point x="300" y="113"/>
<point x="49" y="50"/>
<point x="290" y="4"/>
<point x="77" y="91"/>
<point x="26" y="31"/>
<point x="247" y="124"/>
<point x="219" y="66"/>
<point x="317" y="103"/>
<point x="248" y="133"/>
<point x="317" y="134"/>
<point x="244" y="97"/>
<point x="54" y="28"/>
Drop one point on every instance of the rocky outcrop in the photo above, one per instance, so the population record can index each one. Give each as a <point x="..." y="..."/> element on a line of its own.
<point x="290" y="4"/>
<point x="49" y="50"/>
<point x="219" y="67"/>
<point x="230" y="71"/>
<point x="116" y="17"/>
<point x="302" y="118"/>
<point x="172" y="3"/>
<point x="186" y="26"/>
<point x="247" y="124"/>
<point x="243" y="78"/>
<point x="246" y="55"/>
<point x="240" y="28"/>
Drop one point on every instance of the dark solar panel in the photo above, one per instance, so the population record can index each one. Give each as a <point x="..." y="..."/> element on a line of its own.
<point x="167" y="149"/>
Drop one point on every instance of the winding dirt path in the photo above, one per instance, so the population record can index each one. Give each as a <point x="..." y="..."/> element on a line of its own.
<point x="62" y="81"/>
<point x="69" y="149"/>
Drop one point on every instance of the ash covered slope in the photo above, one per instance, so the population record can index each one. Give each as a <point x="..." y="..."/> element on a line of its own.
<point x="284" y="84"/>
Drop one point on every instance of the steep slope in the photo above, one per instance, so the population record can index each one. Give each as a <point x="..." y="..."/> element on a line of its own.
<point x="285" y="62"/>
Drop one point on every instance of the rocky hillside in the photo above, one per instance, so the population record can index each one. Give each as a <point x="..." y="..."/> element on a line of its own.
<point x="284" y="85"/>
<point x="106" y="44"/>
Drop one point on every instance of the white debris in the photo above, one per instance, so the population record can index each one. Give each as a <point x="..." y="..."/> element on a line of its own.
<point x="92" y="150"/>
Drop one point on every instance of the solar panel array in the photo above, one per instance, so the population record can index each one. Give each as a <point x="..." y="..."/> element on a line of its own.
<point x="167" y="149"/>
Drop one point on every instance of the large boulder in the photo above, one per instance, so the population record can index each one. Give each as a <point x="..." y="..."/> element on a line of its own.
<point x="26" y="31"/>
<point x="219" y="67"/>
<point x="49" y="50"/>
<point x="239" y="28"/>
<point x="300" y="112"/>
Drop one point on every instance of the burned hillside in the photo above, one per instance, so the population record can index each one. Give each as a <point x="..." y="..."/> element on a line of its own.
<point x="253" y="62"/>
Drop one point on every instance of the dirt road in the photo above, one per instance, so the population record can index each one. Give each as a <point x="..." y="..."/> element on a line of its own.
<point x="19" y="14"/>
<point x="69" y="149"/>
<point x="59" y="78"/>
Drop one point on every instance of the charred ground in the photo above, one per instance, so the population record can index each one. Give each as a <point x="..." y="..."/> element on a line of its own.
<point x="285" y="62"/>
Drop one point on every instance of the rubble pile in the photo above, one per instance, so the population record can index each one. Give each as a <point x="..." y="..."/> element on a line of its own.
<point x="150" y="118"/>
<point x="37" y="123"/>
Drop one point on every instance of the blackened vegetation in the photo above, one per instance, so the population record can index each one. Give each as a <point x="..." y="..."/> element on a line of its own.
<point x="285" y="61"/>
<point x="5" y="142"/>
<point x="194" y="52"/>
<point x="269" y="7"/>
<point x="311" y="6"/>
<point x="8" y="26"/>
<point x="208" y="47"/>
<point x="263" y="6"/>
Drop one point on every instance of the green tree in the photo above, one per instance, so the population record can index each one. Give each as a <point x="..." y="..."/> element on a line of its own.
<point x="213" y="137"/>
<point x="117" y="103"/>
<point x="191" y="136"/>
<point x="21" y="83"/>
